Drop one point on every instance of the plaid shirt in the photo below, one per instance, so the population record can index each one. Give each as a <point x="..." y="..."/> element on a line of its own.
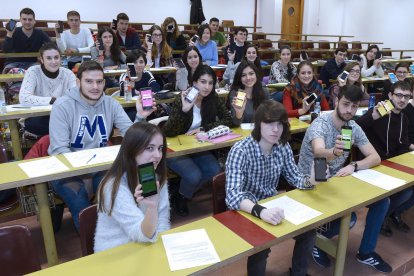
<point x="252" y="175"/>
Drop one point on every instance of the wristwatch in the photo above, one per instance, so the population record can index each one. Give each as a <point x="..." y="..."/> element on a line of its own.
<point x="355" y="164"/>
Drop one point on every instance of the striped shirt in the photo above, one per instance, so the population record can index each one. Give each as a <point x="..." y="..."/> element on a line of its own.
<point x="252" y="175"/>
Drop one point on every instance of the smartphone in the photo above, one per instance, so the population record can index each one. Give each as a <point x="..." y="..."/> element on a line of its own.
<point x="114" y="24"/>
<point x="356" y="57"/>
<point x="320" y="169"/>
<point x="383" y="109"/>
<point x="344" y="75"/>
<point x="146" y="97"/>
<point x="378" y="55"/>
<point x="241" y="96"/>
<point x="192" y="94"/>
<point x="179" y="62"/>
<point x="85" y="58"/>
<point x="149" y="38"/>
<point x="170" y="27"/>
<point x="304" y="55"/>
<point x="11" y="25"/>
<point x="101" y="46"/>
<point x="148" y="179"/>
<point x="60" y="30"/>
<point x="311" y="98"/>
<point x="392" y="77"/>
<point x="232" y="45"/>
<point x="412" y="69"/>
<point x="195" y="38"/>
<point x="132" y="71"/>
<point x="346" y="132"/>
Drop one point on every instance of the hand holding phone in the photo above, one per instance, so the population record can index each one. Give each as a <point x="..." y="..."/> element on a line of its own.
<point x="378" y="55"/>
<point x="346" y="133"/>
<point x="131" y="71"/>
<point x="320" y="168"/>
<point x="385" y="107"/>
<point x="101" y="45"/>
<point x="149" y="38"/>
<point x="178" y="62"/>
<point x="195" y="38"/>
<point x="311" y="98"/>
<point x="60" y="27"/>
<point x="114" y="24"/>
<point x="11" y="25"/>
<point x="240" y="98"/>
<point x="356" y="57"/>
<point x="343" y="76"/>
<point x="148" y="180"/>
<point x="192" y="94"/>
<point x="393" y="77"/>
<point x="304" y="55"/>
<point x="146" y="98"/>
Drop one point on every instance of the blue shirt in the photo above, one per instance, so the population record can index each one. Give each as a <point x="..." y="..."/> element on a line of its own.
<point x="208" y="52"/>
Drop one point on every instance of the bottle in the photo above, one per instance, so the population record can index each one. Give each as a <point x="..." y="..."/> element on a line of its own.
<point x="3" y="108"/>
<point x="371" y="103"/>
<point x="128" y="92"/>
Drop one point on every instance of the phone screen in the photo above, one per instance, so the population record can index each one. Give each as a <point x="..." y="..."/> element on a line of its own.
<point x="192" y="94"/>
<point x="149" y="38"/>
<point x="11" y="25"/>
<point x="311" y="98"/>
<point x="148" y="179"/>
<point x="346" y="133"/>
<point x="320" y="169"/>
<point x="304" y="55"/>
<point x="392" y="77"/>
<point x="343" y="75"/>
<point x="194" y="38"/>
<point x="60" y="30"/>
<point x="146" y="97"/>
<point x="101" y="46"/>
<point x="241" y="95"/>
<point x="179" y="62"/>
<point x="132" y="71"/>
<point x="114" y="24"/>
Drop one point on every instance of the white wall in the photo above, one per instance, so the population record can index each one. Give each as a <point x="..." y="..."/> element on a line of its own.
<point x="380" y="20"/>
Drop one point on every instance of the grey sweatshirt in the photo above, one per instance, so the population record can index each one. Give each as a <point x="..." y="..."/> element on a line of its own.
<point x="75" y="125"/>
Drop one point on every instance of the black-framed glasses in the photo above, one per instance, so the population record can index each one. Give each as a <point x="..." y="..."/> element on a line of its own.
<point x="401" y="73"/>
<point x="400" y="96"/>
<point x="352" y="71"/>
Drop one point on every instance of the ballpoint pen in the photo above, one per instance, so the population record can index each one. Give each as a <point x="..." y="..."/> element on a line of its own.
<point x="93" y="156"/>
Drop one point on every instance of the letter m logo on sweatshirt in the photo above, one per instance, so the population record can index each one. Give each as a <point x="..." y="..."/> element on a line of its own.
<point x="86" y="128"/>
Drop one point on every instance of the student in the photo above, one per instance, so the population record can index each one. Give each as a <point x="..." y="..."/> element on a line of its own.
<point x="111" y="58"/>
<point x="250" y="178"/>
<point x="128" y="38"/>
<point x="354" y="77"/>
<point x="240" y="37"/>
<point x="74" y="40"/>
<point x="205" y="112"/>
<point x="401" y="72"/>
<point x="43" y="84"/>
<point x="24" y="39"/>
<point x="333" y="67"/>
<point x="389" y="136"/>
<point x="283" y="70"/>
<point x="84" y="119"/>
<point x="246" y="79"/>
<point x="192" y="60"/>
<point x="174" y="37"/>
<point x="124" y="215"/>
<point x="217" y="36"/>
<point x="250" y="54"/>
<point x="371" y="65"/>
<point x="323" y="139"/>
<point x="207" y="48"/>
<point x="300" y="88"/>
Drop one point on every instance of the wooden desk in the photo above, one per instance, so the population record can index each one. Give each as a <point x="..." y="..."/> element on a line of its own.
<point x="247" y="235"/>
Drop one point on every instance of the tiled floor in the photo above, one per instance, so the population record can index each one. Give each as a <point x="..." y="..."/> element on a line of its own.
<point x="397" y="250"/>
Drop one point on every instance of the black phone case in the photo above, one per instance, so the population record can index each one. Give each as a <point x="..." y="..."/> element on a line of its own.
<point x="320" y="169"/>
<point x="101" y="46"/>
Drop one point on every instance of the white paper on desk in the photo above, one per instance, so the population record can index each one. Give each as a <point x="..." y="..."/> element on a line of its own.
<point x="42" y="167"/>
<point x="189" y="249"/>
<point x="295" y="212"/>
<point x="378" y="179"/>
<point x="83" y="157"/>
<point x="247" y="126"/>
<point x="412" y="152"/>
<point x="20" y="107"/>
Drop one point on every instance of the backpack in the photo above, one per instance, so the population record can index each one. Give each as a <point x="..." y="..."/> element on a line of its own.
<point x="13" y="87"/>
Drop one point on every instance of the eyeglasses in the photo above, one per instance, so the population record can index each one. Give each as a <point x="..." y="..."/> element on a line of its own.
<point x="352" y="71"/>
<point x="401" y="73"/>
<point x="400" y="96"/>
<point x="157" y="35"/>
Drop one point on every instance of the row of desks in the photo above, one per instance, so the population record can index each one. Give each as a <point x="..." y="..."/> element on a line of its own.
<point x="236" y="235"/>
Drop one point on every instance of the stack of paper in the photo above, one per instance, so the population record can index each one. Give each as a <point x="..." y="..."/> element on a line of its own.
<point x="92" y="156"/>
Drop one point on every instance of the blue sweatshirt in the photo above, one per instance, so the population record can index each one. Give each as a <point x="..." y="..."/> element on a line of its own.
<point x="208" y="52"/>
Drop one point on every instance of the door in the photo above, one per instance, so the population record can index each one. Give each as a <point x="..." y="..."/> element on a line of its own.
<point x="292" y="14"/>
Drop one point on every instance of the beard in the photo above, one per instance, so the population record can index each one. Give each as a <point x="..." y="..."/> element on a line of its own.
<point x="86" y="96"/>
<point x="339" y="114"/>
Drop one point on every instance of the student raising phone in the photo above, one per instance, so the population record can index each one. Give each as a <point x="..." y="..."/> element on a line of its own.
<point x="124" y="214"/>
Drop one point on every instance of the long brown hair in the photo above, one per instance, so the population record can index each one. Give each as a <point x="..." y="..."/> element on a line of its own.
<point x="115" y="49"/>
<point x="136" y="139"/>
<point x="166" y="50"/>
<point x="349" y="67"/>
<point x="176" y="33"/>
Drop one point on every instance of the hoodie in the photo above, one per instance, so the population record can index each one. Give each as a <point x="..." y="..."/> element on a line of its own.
<point x="388" y="134"/>
<point x="75" y="125"/>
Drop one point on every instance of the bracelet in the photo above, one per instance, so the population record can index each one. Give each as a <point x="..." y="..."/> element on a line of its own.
<point x="333" y="151"/>
<point x="256" y="210"/>
<point x="52" y="100"/>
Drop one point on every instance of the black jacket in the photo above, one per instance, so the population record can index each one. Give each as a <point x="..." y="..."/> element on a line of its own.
<point x="196" y="13"/>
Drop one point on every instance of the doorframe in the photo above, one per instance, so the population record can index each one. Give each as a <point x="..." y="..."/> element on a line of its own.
<point x="284" y="14"/>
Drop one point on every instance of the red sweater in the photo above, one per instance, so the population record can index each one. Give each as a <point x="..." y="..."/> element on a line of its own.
<point x="293" y="111"/>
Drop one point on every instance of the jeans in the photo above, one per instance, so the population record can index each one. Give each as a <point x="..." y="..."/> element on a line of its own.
<point x="37" y="125"/>
<point x="398" y="201"/>
<point x="194" y="170"/>
<point x="333" y="226"/>
<point x="76" y="192"/>
<point x="277" y="96"/>
<point x="256" y="264"/>
<point x="405" y="206"/>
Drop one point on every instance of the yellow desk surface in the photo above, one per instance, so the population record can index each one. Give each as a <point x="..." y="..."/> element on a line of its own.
<point x="150" y="259"/>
